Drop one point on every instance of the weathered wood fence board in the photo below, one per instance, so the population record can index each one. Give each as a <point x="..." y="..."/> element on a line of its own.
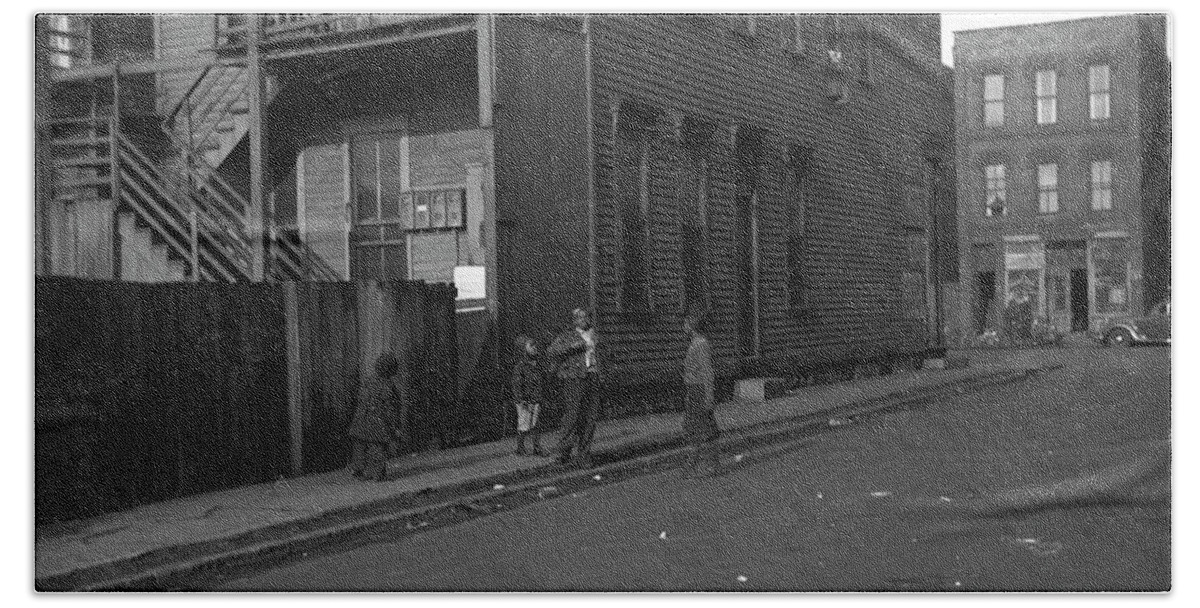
<point x="148" y="392"/>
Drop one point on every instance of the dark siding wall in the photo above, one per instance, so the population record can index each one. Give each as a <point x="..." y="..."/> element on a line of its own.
<point x="863" y="154"/>
<point x="1155" y="88"/>
<point x="541" y="177"/>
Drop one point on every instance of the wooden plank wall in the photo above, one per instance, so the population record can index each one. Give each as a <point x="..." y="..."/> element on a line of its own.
<point x="146" y="392"/>
<point x="863" y="153"/>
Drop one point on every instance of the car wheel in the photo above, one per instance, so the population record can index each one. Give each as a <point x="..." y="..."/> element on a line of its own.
<point x="1119" y="337"/>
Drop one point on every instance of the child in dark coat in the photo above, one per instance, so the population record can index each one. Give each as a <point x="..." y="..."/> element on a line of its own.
<point x="527" y="396"/>
<point x="377" y="420"/>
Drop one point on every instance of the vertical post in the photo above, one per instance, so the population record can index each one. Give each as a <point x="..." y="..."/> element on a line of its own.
<point x="295" y="388"/>
<point x="114" y="131"/>
<point x="258" y="148"/>
<point x="42" y="168"/>
<point x="190" y="192"/>
<point x="593" y="256"/>
<point x="484" y="68"/>
<point x="194" y="243"/>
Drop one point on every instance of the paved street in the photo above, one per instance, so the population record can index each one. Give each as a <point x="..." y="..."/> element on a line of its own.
<point x="1060" y="482"/>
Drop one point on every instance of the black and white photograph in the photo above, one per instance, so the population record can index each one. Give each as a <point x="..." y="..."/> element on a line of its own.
<point x="690" y="301"/>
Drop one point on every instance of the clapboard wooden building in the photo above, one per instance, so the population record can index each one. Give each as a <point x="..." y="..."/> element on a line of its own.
<point x="790" y="174"/>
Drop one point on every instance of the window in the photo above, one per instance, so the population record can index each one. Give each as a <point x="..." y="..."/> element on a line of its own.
<point x="798" y="180"/>
<point x="1098" y="84"/>
<point x="790" y="29"/>
<point x="633" y="216"/>
<point x="1047" y="176"/>
<point x="1110" y="279"/>
<point x="62" y="44"/>
<point x="993" y="100"/>
<point x="1047" y="97"/>
<point x="379" y="245"/>
<point x="693" y="205"/>
<point x="1101" y="185"/>
<point x="996" y="191"/>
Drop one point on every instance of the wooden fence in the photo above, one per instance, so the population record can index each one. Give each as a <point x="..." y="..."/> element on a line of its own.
<point x="149" y="392"/>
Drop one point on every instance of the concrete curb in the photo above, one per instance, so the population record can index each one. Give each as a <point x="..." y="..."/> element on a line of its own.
<point x="171" y="566"/>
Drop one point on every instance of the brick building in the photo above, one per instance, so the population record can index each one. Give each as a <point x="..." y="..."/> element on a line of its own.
<point x="1063" y="135"/>
<point x="788" y="173"/>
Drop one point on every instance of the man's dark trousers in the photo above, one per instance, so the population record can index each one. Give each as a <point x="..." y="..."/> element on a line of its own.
<point x="582" y="397"/>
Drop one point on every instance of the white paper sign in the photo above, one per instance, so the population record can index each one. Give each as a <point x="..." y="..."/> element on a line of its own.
<point x="471" y="282"/>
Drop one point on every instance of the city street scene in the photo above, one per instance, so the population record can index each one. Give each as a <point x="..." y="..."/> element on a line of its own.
<point x="712" y="302"/>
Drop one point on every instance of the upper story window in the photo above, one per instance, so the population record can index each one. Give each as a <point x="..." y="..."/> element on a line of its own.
<point x="799" y="186"/>
<point x="1098" y="85"/>
<point x="993" y="100"/>
<point x="633" y="268"/>
<point x="62" y="43"/>
<point x="1047" y="176"/>
<point x="1047" y="97"/>
<point x="997" y="196"/>
<point x="1101" y="185"/>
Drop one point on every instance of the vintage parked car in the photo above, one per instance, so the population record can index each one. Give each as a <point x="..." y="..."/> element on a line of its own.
<point x="1154" y="328"/>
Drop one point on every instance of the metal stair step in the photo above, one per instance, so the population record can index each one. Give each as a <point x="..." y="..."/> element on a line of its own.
<point x="84" y="161"/>
<point x="81" y="142"/>
<point x="83" y="182"/>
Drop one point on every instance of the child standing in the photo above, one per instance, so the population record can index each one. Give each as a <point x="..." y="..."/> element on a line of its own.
<point x="527" y="396"/>
<point x="699" y="423"/>
<point x="377" y="419"/>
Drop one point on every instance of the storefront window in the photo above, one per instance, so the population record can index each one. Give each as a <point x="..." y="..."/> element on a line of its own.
<point x="1110" y="265"/>
<point x="1025" y="267"/>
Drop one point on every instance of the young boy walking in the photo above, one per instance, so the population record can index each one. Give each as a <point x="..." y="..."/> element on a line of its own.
<point x="527" y="396"/>
<point x="699" y="423"/>
<point x="377" y="420"/>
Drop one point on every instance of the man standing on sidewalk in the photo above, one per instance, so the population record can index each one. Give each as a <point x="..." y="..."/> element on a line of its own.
<point x="699" y="423"/>
<point x="579" y="370"/>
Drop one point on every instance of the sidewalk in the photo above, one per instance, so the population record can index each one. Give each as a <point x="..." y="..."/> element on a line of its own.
<point x="87" y="553"/>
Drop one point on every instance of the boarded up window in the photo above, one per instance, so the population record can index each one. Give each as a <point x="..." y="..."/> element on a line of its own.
<point x="633" y="214"/>
<point x="799" y="185"/>
<point x="693" y="205"/>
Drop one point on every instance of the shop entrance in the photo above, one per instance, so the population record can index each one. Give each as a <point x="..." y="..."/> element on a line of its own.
<point x="1079" y="299"/>
<point x="985" y="294"/>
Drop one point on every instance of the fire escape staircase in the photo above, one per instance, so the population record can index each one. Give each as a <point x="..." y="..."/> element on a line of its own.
<point x="176" y="214"/>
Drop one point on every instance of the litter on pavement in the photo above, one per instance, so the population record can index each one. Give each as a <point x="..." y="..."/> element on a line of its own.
<point x="547" y="491"/>
<point x="838" y="421"/>
<point x="498" y="486"/>
<point x="597" y="477"/>
<point x="820" y="495"/>
<point x="944" y="499"/>
<point x="1039" y="547"/>
<point x="738" y="458"/>
<point x="741" y="578"/>
<point x="881" y="494"/>
<point x="663" y="536"/>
